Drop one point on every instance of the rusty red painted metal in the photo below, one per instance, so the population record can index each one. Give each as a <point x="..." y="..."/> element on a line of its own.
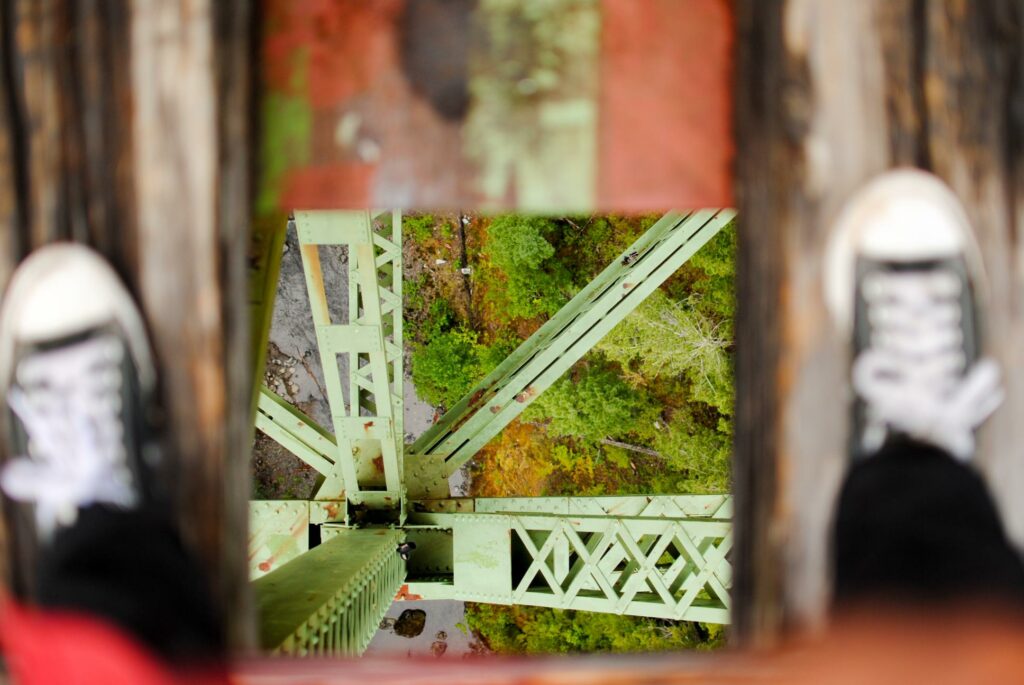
<point x="351" y="120"/>
<point x="666" y="105"/>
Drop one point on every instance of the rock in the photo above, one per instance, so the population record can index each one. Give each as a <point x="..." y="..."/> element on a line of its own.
<point x="411" y="623"/>
<point x="438" y="648"/>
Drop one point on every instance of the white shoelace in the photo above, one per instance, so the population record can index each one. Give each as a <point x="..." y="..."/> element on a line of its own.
<point x="70" y="404"/>
<point x="912" y="376"/>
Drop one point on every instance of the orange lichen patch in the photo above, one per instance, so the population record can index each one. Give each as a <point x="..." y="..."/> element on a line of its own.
<point x="526" y="395"/>
<point x="404" y="594"/>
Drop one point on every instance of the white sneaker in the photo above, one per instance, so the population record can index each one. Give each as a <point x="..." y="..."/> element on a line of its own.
<point x="902" y="274"/>
<point x="77" y="375"/>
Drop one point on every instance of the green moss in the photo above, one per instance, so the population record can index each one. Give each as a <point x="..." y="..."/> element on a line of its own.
<point x="287" y="126"/>
<point x="539" y="630"/>
<point x="535" y="282"/>
<point x="418" y="227"/>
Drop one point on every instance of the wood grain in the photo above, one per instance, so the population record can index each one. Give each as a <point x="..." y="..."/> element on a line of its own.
<point x="128" y="126"/>
<point x="829" y="94"/>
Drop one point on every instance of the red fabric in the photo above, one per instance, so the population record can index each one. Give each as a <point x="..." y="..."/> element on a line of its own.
<point x="51" y="647"/>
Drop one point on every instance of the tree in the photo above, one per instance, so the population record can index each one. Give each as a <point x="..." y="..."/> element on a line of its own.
<point x="446" y="367"/>
<point x="451" y="362"/>
<point x="667" y="338"/>
<point x="536" y="282"/>
<point x="696" y="444"/>
<point x="594" y="405"/>
<point x="681" y="347"/>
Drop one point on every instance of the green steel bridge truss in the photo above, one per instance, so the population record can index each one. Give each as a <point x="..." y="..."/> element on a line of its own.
<point x="658" y="556"/>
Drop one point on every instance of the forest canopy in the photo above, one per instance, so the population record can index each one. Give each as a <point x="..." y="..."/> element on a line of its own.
<point x="648" y="410"/>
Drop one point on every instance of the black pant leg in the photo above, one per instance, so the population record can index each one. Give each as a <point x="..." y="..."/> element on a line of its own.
<point x="131" y="568"/>
<point x="915" y="525"/>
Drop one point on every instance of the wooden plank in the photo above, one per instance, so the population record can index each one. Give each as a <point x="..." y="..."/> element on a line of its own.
<point x="973" y="91"/>
<point x="575" y="105"/>
<point x="128" y="126"/>
<point x="829" y="94"/>
<point x="191" y="119"/>
<point x="54" y="55"/>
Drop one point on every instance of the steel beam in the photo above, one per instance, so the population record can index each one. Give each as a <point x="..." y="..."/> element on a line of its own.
<point x="330" y="600"/>
<point x="368" y="424"/>
<point x="279" y="530"/>
<point x="652" y="558"/>
<point x="297" y="433"/>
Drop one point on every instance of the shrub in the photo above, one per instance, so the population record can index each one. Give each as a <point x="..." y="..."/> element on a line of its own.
<point x="446" y="367"/>
<point x="597" y="404"/>
<point x="536" y="282"/>
<point x="451" y="362"/>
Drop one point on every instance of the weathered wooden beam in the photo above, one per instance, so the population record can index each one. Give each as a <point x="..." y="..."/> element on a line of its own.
<point x="128" y="126"/>
<point x="192" y="94"/>
<point x="829" y="94"/>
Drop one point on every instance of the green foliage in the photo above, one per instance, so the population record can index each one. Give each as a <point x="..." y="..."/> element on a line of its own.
<point x="537" y="630"/>
<point x="518" y="242"/>
<point x="596" y="404"/>
<point x="617" y="456"/>
<point x="418" y="227"/>
<point x="413" y="296"/>
<point x="711" y="289"/>
<point x="441" y="317"/>
<point x="494" y="354"/>
<point x="536" y="282"/>
<point x="667" y="338"/>
<point x="446" y="367"/>
<point x="696" y="444"/>
<point x="427" y="321"/>
<point x="594" y="242"/>
<point x="451" y="361"/>
<point x="681" y="347"/>
<point x="661" y="380"/>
